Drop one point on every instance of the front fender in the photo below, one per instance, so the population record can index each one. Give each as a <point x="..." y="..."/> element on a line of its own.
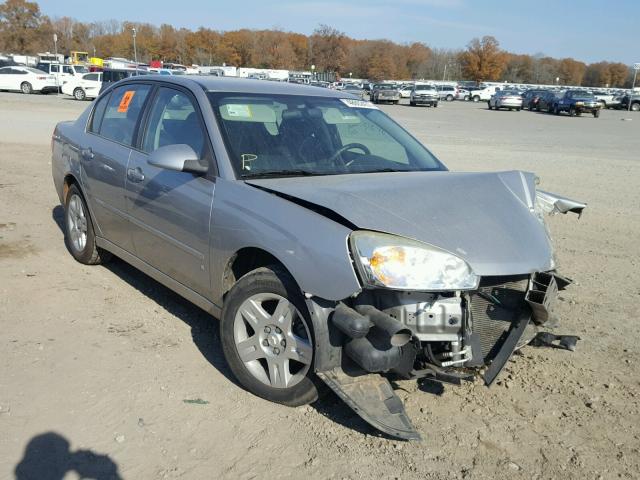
<point x="312" y="247"/>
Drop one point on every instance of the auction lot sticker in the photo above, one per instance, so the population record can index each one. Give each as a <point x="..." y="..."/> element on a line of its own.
<point x="126" y="100"/>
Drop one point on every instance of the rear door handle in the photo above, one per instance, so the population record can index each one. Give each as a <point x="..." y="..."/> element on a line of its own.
<point x="87" y="153"/>
<point x="135" y="175"/>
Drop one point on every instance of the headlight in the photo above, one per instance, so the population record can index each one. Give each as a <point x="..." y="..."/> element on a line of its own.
<point x="395" y="262"/>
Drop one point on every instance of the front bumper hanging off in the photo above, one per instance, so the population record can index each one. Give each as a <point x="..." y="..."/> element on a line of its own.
<point x="504" y="314"/>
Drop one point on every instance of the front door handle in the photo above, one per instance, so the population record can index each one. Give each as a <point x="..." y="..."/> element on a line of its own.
<point x="135" y="175"/>
<point x="87" y="153"/>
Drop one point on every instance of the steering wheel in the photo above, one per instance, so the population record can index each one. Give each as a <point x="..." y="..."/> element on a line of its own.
<point x="346" y="147"/>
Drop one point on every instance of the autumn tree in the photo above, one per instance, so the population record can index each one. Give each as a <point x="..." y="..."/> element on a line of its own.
<point x="22" y="27"/>
<point x="328" y="49"/>
<point x="571" y="72"/>
<point x="483" y="59"/>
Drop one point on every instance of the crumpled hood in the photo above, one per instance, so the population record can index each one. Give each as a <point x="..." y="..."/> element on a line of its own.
<point x="485" y="218"/>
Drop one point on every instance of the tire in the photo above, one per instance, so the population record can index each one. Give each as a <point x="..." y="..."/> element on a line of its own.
<point x="413" y="104"/>
<point x="476" y="98"/>
<point x="603" y="104"/>
<point x="260" y="294"/>
<point x="556" y="110"/>
<point x="489" y="105"/>
<point x="572" y="112"/>
<point x="449" y="98"/>
<point x="517" y="109"/>
<point x="435" y="105"/>
<point x="79" y="94"/>
<point x="79" y="234"/>
<point x="466" y="98"/>
<point x="635" y="107"/>
<point x="596" y="113"/>
<point x="26" y="88"/>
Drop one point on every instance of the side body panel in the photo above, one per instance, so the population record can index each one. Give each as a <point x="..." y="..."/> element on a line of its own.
<point x="169" y="221"/>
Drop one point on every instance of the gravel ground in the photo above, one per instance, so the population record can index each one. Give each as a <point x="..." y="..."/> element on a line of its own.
<point x="104" y="372"/>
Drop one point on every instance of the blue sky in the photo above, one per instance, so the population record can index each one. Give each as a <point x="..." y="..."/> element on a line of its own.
<point x="587" y="30"/>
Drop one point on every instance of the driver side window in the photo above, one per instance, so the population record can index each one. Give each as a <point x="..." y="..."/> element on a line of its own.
<point x="174" y="120"/>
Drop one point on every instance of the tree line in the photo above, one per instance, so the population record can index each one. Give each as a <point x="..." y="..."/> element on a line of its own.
<point x="25" y="30"/>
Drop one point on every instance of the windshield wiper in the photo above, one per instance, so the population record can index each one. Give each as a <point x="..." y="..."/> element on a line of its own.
<point x="281" y="173"/>
<point x="383" y="170"/>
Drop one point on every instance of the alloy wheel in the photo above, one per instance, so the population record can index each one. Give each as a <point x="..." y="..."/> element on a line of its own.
<point x="77" y="223"/>
<point x="273" y="340"/>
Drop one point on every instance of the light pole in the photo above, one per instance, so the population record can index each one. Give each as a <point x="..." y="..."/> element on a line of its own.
<point x="636" y="67"/>
<point x="313" y="72"/>
<point x="55" y="50"/>
<point x="135" y="51"/>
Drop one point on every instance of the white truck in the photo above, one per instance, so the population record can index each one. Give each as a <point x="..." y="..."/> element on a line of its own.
<point x="483" y="94"/>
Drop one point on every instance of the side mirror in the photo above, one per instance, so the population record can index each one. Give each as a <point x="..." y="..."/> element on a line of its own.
<point x="179" y="157"/>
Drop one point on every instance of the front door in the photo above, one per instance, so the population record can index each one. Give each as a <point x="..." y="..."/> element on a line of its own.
<point x="169" y="210"/>
<point x="105" y="155"/>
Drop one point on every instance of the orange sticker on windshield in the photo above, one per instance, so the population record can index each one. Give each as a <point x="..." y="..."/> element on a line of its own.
<point x="126" y="100"/>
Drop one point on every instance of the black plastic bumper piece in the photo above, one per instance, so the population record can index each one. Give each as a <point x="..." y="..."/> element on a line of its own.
<point x="508" y="347"/>
<point x="372" y="397"/>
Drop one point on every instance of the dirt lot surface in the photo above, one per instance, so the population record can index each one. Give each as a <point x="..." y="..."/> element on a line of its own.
<point x="104" y="372"/>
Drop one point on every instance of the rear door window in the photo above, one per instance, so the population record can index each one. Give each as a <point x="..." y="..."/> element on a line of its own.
<point x="123" y="112"/>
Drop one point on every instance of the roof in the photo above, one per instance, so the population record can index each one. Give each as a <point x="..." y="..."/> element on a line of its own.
<point x="245" y="85"/>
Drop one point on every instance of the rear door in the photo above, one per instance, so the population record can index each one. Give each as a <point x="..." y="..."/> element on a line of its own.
<point x="104" y="157"/>
<point x="170" y="210"/>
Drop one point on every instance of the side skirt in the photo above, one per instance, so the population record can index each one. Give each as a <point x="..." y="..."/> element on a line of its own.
<point x="157" y="275"/>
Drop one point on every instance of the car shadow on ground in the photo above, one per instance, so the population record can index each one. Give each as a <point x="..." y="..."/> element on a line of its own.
<point x="48" y="457"/>
<point x="204" y="327"/>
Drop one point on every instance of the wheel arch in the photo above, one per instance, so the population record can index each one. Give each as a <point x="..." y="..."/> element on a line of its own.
<point x="246" y="260"/>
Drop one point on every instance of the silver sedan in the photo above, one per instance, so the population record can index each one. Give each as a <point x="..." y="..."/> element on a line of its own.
<point x="331" y="245"/>
<point x="508" y="99"/>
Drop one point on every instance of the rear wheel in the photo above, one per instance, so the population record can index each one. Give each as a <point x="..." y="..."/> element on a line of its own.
<point x="572" y="112"/>
<point x="596" y="113"/>
<point x="449" y="98"/>
<point x="476" y="98"/>
<point x="435" y="105"/>
<point x="26" y="88"/>
<point x="79" y="233"/>
<point x="79" y="94"/>
<point x="635" y="107"/>
<point x="267" y="337"/>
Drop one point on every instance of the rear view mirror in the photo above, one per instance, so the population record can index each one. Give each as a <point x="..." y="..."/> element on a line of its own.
<point x="179" y="157"/>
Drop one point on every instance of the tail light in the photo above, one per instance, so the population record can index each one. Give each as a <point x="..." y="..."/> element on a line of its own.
<point x="41" y="78"/>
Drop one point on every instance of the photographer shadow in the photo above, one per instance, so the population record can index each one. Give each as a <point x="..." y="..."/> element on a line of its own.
<point x="48" y="457"/>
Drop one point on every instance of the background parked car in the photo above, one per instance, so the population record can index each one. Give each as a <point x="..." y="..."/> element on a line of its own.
<point x="354" y="89"/>
<point x="510" y="99"/>
<point x="405" y="91"/>
<point x="385" y="92"/>
<point x="547" y="100"/>
<point x="530" y="98"/>
<point x="447" y="92"/>
<point x="483" y="93"/>
<point x="462" y="94"/>
<point x="62" y="72"/>
<point x="110" y="76"/>
<point x="26" y="80"/>
<point x="577" y="102"/>
<point x="635" y="102"/>
<point x="86" y="86"/>
<point x="424" y="95"/>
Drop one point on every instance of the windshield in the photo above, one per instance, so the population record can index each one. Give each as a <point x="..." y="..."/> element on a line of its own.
<point x="385" y="87"/>
<point x="291" y="135"/>
<point x="581" y="94"/>
<point x="424" y="88"/>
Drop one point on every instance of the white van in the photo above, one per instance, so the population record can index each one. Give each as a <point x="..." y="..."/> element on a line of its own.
<point x="62" y="72"/>
<point x="483" y="94"/>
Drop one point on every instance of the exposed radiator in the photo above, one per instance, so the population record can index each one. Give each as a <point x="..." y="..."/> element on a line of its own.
<point x="493" y="311"/>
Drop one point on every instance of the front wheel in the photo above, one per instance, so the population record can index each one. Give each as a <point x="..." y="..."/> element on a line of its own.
<point x="79" y="94"/>
<point x="267" y="337"/>
<point x="449" y="98"/>
<point x="596" y="113"/>
<point x="476" y="98"/>
<point x="435" y="105"/>
<point x="26" y="88"/>
<point x="635" y="107"/>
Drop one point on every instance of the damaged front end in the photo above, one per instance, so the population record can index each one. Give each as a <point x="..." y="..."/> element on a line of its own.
<point x="446" y="324"/>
